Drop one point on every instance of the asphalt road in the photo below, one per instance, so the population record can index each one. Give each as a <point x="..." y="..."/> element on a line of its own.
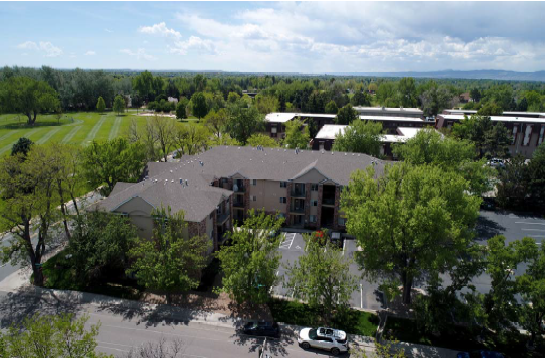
<point x="490" y="223"/>
<point x="122" y="329"/>
<point x="7" y="269"/>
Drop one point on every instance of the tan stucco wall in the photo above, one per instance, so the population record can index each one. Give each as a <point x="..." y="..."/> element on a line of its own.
<point x="312" y="176"/>
<point x="268" y="195"/>
<point x="139" y="212"/>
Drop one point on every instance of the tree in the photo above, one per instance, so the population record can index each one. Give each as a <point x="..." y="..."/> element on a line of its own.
<point x="496" y="141"/>
<point x="489" y="139"/>
<point x="198" y="102"/>
<point x="29" y="97"/>
<point x="23" y="146"/>
<point x="475" y="94"/>
<point x="410" y="222"/>
<point x="346" y="115"/>
<point x="233" y="97"/>
<point x="535" y="174"/>
<point x="321" y="277"/>
<point x="216" y="121"/>
<point x="436" y="99"/>
<point x="531" y="286"/>
<point x="360" y="99"/>
<point x="297" y="134"/>
<point x="100" y="244"/>
<point x="360" y="136"/>
<point x="180" y="111"/>
<point x="512" y="186"/>
<point x="101" y="105"/>
<point x="28" y="191"/>
<point x="250" y="263"/>
<point x="191" y="139"/>
<point x="51" y="336"/>
<point x="387" y="94"/>
<point x="171" y="261"/>
<point x="407" y="92"/>
<point x="490" y="109"/>
<point x="111" y="162"/>
<point x="331" y="107"/>
<point x="243" y="122"/>
<point x="266" y="104"/>
<point x="259" y="139"/>
<point x="119" y="104"/>
<point x="163" y="129"/>
<point x="143" y="83"/>
<point x="158" y="349"/>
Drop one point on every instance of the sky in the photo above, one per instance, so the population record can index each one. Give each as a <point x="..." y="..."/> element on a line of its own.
<point x="275" y="36"/>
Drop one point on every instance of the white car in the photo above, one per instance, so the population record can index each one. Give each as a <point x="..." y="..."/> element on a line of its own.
<point x="329" y="339"/>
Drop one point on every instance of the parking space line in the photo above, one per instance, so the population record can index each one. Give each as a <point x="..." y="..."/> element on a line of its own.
<point x="361" y="295"/>
<point x="539" y="224"/>
<point x="344" y="245"/>
<point x="285" y="244"/>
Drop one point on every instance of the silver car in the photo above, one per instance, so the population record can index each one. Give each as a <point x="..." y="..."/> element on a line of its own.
<point x="329" y="339"/>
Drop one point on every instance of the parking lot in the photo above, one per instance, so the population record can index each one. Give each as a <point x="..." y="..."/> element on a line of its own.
<point x="292" y="247"/>
<point x="490" y="223"/>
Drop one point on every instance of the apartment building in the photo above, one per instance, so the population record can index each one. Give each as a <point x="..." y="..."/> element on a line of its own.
<point x="215" y="189"/>
<point x="527" y="129"/>
<point x="390" y="111"/>
<point x="325" y="138"/>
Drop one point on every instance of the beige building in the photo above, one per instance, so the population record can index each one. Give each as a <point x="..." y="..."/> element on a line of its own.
<point x="217" y="188"/>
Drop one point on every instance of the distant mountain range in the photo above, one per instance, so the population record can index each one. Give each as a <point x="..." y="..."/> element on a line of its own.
<point x="504" y="75"/>
<point x="453" y="74"/>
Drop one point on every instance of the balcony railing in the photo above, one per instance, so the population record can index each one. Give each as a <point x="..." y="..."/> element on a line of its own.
<point x="297" y="209"/>
<point x="221" y="218"/>
<point x="237" y="188"/>
<point x="298" y="193"/>
<point x="239" y="204"/>
<point x="328" y="201"/>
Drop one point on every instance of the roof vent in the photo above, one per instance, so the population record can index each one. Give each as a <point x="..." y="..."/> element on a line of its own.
<point x="202" y="163"/>
<point x="322" y="151"/>
<point x="170" y="171"/>
<point x="332" y="153"/>
<point x="345" y="153"/>
<point x="172" y="181"/>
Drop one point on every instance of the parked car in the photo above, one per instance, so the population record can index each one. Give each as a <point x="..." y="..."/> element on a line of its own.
<point x="262" y="328"/>
<point x="479" y="354"/>
<point x="333" y="340"/>
<point x="496" y="162"/>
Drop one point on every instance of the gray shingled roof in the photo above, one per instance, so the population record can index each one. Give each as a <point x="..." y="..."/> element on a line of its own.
<point x="200" y="198"/>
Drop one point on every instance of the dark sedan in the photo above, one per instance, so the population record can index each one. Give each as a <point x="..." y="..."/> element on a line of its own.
<point x="262" y="329"/>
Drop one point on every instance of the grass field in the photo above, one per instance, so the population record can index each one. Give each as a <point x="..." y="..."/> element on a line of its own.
<point x="78" y="128"/>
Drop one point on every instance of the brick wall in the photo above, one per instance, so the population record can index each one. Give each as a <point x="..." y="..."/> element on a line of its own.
<point x="308" y="188"/>
<point x="336" y="212"/>
<point x="320" y="199"/>
<point x="288" y="203"/>
<point x="246" y="184"/>
<point x="196" y="228"/>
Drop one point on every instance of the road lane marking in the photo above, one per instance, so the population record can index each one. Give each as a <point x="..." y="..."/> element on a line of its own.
<point x="539" y="224"/>
<point x="119" y="350"/>
<point x="535" y="230"/>
<point x="361" y="295"/>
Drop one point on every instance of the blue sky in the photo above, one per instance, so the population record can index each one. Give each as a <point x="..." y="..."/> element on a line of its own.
<point x="269" y="36"/>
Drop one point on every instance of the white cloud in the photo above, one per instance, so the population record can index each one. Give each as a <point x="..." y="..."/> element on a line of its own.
<point x="45" y="47"/>
<point x="139" y="54"/>
<point x="108" y="30"/>
<point x="193" y="43"/>
<point x="90" y="53"/>
<point x="160" y="29"/>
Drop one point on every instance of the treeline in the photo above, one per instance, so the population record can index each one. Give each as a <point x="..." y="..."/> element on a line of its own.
<point x="80" y="89"/>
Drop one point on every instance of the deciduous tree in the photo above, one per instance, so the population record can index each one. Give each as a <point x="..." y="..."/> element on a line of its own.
<point x="297" y="134"/>
<point x="191" y="139"/>
<point x="410" y="222"/>
<point x="321" y="276"/>
<point x="250" y="263"/>
<point x="119" y="104"/>
<point x="171" y="261"/>
<point x="259" y="139"/>
<point x="331" y="108"/>
<point x="346" y="115"/>
<point x="101" y="105"/>
<point x="243" y="122"/>
<point x="199" y="108"/>
<point x="360" y="136"/>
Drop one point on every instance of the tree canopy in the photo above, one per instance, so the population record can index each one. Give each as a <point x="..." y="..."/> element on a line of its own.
<point x="297" y="134"/>
<point x="346" y="115"/>
<point x="360" y="136"/>
<point x="101" y="105"/>
<point x="413" y="221"/>
<point x="119" y="104"/>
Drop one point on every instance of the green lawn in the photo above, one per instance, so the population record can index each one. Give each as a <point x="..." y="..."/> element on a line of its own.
<point x="353" y="322"/>
<point x="78" y="128"/>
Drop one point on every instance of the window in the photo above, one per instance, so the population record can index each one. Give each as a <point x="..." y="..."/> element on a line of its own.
<point x="282" y="199"/>
<point x="315" y="203"/>
<point x="254" y="198"/>
<point x="313" y="219"/>
<point x="282" y="184"/>
<point x="211" y="215"/>
<point x="254" y="182"/>
<point x="342" y="221"/>
<point x="314" y="187"/>
<point x="224" y="180"/>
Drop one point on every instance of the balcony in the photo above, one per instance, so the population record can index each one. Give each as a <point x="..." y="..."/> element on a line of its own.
<point x="298" y="210"/>
<point x="222" y="218"/>
<point x="238" y="188"/>
<point x="239" y="204"/>
<point x="328" y="201"/>
<point x="298" y="193"/>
